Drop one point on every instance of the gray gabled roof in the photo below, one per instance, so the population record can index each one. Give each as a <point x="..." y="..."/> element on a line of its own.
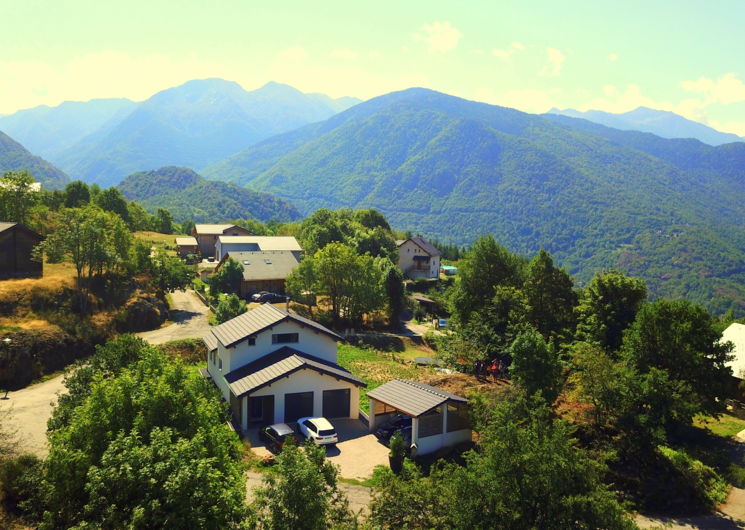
<point x="207" y="229"/>
<point x="210" y="341"/>
<point x="412" y="398"/>
<point x="422" y="243"/>
<point x="281" y="363"/>
<point x="257" y="320"/>
<point x="260" y="265"/>
<point x="5" y="225"/>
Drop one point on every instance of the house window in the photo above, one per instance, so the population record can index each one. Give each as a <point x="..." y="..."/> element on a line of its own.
<point x="284" y="338"/>
<point x="457" y="417"/>
<point x="252" y="341"/>
<point x="219" y="363"/>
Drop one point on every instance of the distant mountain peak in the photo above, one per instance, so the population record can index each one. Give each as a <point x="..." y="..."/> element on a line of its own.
<point x="662" y="123"/>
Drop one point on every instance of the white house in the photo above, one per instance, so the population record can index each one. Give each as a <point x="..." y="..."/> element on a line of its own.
<point x="418" y="258"/>
<point x="735" y="334"/>
<point x="230" y="243"/>
<point x="274" y="366"/>
<point x="439" y="419"/>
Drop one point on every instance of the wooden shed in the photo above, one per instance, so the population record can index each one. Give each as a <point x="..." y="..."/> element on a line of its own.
<point x="17" y="243"/>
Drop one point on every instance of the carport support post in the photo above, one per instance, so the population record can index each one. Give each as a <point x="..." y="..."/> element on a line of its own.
<point x="371" y="417"/>
<point x="244" y="413"/>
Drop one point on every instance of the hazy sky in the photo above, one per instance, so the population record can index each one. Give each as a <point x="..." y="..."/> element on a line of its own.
<point x="684" y="56"/>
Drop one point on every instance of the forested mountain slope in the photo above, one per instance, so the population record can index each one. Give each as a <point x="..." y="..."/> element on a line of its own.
<point x="15" y="157"/>
<point x="189" y="196"/>
<point x="671" y="211"/>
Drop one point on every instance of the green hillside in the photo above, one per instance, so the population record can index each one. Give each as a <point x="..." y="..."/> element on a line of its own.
<point x="15" y="157"/>
<point x="189" y="196"/>
<point x="456" y="169"/>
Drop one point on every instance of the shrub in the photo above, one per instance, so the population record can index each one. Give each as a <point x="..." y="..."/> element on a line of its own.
<point x="188" y="350"/>
<point x="705" y="486"/>
<point x="142" y="312"/>
<point x="20" y="480"/>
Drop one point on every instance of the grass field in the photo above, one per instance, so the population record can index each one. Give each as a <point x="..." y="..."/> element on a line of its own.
<point x="158" y="240"/>
<point x="375" y="368"/>
<point x="726" y="426"/>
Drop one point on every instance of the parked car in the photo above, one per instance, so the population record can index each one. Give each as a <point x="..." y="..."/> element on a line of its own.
<point x="396" y="423"/>
<point x="441" y="323"/>
<point x="266" y="296"/>
<point x="276" y="435"/>
<point x="319" y="430"/>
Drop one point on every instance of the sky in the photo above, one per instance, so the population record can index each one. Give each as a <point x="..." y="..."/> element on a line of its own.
<point x="684" y="56"/>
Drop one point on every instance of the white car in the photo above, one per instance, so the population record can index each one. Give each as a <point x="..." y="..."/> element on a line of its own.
<point x="319" y="430"/>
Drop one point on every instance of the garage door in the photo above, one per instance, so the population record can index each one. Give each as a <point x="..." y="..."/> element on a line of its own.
<point x="336" y="403"/>
<point x="298" y="405"/>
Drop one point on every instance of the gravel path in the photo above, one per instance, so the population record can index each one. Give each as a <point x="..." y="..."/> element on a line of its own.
<point x="190" y="317"/>
<point x="30" y="408"/>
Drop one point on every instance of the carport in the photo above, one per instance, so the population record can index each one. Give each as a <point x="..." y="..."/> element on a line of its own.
<point x="439" y="419"/>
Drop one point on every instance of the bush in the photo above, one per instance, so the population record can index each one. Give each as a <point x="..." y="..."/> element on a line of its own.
<point x="187" y="350"/>
<point x="704" y="485"/>
<point x="142" y="312"/>
<point x="20" y="480"/>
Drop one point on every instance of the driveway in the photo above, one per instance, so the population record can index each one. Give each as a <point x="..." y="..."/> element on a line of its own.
<point x="356" y="454"/>
<point x="189" y="315"/>
<point x="30" y="408"/>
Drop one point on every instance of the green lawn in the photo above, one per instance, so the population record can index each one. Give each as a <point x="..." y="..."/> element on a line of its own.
<point x="726" y="426"/>
<point x="375" y="368"/>
<point x="158" y="240"/>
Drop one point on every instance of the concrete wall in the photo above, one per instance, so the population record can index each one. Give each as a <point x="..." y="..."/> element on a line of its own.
<point x="408" y="264"/>
<point x="306" y="381"/>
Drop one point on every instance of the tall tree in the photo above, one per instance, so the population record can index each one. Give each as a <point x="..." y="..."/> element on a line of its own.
<point x="228" y="279"/>
<point x="146" y="448"/>
<point x="302" y="284"/>
<point x="608" y="306"/>
<point x="229" y="307"/>
<point x="681" y="338"/>
<point x="486" y="265"/>
<point x="163" y="221"/>
<point x="77" y="194"/>
<point x="550" y="297"/>
<point x="91" y="239"/>
<point x="535" y="366"/>
<point x="112" y="200"/>
<point x="303" y="494"/>
<point x="323" y="227"/>
<point x="395" y="291"/>
<point x="16" y="196"/>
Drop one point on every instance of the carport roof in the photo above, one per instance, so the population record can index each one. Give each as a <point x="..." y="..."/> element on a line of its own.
<point x="412" y="398"/>
<point x="281" y="363"/>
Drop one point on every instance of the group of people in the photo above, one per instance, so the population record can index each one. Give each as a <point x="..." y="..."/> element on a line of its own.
<point x="496" y="368"/>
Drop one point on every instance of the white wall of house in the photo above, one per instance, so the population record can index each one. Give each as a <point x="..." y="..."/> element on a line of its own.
<point x="408" y="265"/>
<point x="218" y="376"/>
<point x="224" y="248"/>
<point x="306" y="381"/>
<point x="430" y="444"/>
<point x="310" y="341"/>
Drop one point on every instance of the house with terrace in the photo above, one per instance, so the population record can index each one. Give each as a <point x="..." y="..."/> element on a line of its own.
<point x="273" y="366"/>
<point x="206" y="236"/>
<point x="417" y="258"/>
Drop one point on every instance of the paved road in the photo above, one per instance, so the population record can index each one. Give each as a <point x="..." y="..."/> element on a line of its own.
<point x="190" y="317"/>
<point x="30" y="408"/>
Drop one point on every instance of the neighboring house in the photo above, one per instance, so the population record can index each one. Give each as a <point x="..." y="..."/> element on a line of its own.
<point x="418" y="259"/>
<point x="16" y="246"/>
<point x="273" y="366"/>
<point x="439" y="419"/>
<point x="206" y="236"/>
<point x="226" y="244"/>
<point x="186" y="246"/>
<point x="735" y="334"/>
<point x="263" y="270"/>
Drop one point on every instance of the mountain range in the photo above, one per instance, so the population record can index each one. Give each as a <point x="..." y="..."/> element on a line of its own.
<point x="15" y="157"/>
<point x="662" y="123"/>
<point x="195" y="124"/>
<point x="187" y="195"/>
<point x="669" y="210"/>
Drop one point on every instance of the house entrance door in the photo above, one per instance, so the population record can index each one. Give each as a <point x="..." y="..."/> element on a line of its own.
<point x="261" y="409"/>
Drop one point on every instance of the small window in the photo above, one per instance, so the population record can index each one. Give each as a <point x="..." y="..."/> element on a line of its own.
<point x="246" y="262"/>
<point x="219" y="362"/>
<point x="284" y="338"/>
<point x="252" y="341"/>
<point x="267" y="261"/>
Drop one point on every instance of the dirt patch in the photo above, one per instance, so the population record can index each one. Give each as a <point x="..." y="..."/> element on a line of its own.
<point x="463" y="384"/>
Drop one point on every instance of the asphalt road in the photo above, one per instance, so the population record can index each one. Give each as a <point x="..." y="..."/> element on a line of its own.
<point x="189" y="316"/>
